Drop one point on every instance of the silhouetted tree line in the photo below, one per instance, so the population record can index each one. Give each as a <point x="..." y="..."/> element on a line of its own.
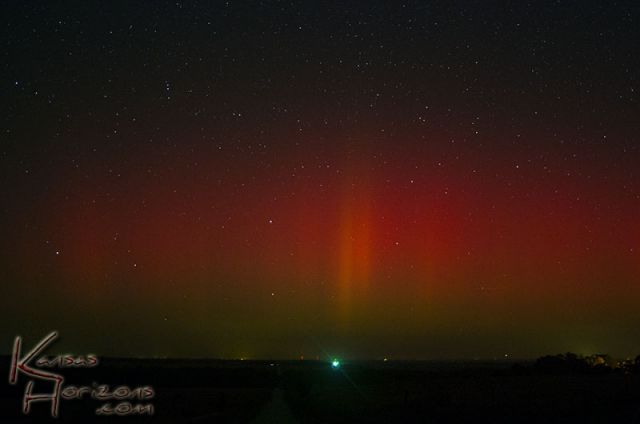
<point x="571" y="363"/>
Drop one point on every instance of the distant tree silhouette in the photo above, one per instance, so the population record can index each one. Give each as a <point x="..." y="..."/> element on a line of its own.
<point x="570" y="363"/>
<point x="600" y="362"/>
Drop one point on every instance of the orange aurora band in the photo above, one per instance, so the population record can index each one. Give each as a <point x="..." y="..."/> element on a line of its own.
<point x="421" y="248"/>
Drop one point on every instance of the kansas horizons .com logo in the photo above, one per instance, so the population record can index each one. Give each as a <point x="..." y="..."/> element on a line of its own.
<point x="36" y="366"/>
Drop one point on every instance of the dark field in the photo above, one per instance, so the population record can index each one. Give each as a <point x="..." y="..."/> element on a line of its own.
<point x="312" y="392"/>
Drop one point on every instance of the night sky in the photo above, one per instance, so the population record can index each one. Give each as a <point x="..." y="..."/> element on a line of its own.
<point x="363" y="179"/>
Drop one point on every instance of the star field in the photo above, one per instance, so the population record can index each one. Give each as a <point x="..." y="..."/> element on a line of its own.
<point x="277" y="179"/>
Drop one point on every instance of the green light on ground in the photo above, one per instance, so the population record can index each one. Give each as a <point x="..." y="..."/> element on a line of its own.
<point x="335" y="363"/>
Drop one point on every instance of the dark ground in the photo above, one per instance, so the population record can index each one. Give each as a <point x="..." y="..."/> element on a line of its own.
<point x="312" y="392"/>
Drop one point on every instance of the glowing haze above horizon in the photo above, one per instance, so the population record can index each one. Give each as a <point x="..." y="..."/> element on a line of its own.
<point x="370" y="180"/>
